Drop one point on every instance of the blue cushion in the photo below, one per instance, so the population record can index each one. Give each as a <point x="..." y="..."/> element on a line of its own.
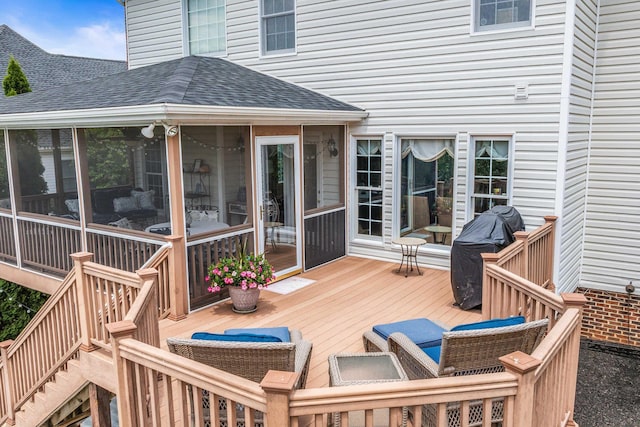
<point x="423" y="332"/>
<point x="433" y="353"/>
<point x="281" y="332"/>
<point x="488" y="324"/>
<point x="236" y="338"/>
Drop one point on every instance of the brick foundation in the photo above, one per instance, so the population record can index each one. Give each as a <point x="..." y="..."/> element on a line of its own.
<point x="611" y="316"/>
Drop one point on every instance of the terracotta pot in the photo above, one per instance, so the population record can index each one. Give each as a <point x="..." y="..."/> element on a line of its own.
<point x="244" y="301"/>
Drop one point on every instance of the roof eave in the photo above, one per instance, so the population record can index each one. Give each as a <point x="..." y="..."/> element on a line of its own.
<point x="174" y="113"/>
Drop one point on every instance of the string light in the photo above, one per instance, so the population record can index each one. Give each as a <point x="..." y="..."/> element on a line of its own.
<point x="26" y="308"/>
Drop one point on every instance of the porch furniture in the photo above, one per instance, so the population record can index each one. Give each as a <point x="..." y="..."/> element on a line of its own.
<point x="466" y="352"/>
<point x="365" y="368"/>
<point x="196" y="227"/>
<point x="423" y="332"/>
<point x="409" y="246"/>
<point x="249" y="355"/>
<point x="436" y="230"/>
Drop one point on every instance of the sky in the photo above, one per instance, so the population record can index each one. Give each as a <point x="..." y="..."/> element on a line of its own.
<point x="89" y="28"/>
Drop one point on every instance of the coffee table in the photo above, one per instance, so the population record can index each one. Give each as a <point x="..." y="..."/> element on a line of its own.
<point x="365" y="368"/>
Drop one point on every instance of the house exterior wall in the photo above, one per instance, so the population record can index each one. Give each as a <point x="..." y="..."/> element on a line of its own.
<point x="611" y="250"/>
<point x="418" y="70"/>
<point x="573" y="169"/>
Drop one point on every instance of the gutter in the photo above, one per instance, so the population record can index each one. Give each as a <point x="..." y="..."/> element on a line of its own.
<point x="175" y="114"/>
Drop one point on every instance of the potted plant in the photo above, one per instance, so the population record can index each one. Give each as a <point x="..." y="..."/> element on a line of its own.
<point x="244" y="275"/>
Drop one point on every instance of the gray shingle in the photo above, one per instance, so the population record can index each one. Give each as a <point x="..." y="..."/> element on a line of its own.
<point x="187" y="81"/>
<point x="45" y="70"/>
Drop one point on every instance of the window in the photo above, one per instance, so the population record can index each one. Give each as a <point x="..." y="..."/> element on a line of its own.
<point x="206" y="26"/>
<point x="426" y="189"/>
<point x="491" y="174"/>
<point x="369" y="186"/>
<point x="278" y="26"/>
<point x="499" y="14"/>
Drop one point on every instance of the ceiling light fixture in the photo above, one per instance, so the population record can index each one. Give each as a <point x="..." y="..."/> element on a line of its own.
<point x="147" y="131"/>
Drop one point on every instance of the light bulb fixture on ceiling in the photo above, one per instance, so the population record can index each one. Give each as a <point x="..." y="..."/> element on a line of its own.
<point x="333" y="149"/>
<point x="147" y="131"/>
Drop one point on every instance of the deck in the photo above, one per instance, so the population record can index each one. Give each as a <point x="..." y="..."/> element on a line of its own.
<point x="348" y="297"/>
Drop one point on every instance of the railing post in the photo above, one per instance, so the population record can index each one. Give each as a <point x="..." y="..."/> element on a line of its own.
<point x="551" y="220"/>
<point x="6" y="380"/>
<point x="487" y="258"/>
<point x="278" y="385"/>
<point x="524" y="368"/>
<point x="126" y="396"/>
<point x="177" y="278"/>
<point x="578" y="302"/>
<point x="524" y="265"/>
<point x="84" y="298"/>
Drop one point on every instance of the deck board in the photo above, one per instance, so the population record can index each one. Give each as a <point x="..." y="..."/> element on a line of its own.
<point x="349" y="296"/>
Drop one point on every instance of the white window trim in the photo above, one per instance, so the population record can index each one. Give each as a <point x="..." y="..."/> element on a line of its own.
<point x="185" y="34"/>
<point x="506" y="28"/>
<point x="261" y="35"/>
<point x="471" y="167"/>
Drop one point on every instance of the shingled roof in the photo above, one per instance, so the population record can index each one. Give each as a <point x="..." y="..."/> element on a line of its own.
<point x="45" y="70"/>
<point x="187" y="81"/>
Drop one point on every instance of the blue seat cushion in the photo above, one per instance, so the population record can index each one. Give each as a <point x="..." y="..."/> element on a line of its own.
<point x="433" y="352"/>
<point x="488" y="324"/>
<point x="423" y="332"/>
<point x="281" y="332"/>
<point x="236" y="338"/>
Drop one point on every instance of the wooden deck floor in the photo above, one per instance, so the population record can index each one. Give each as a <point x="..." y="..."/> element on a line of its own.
<point x="348" y="297"/>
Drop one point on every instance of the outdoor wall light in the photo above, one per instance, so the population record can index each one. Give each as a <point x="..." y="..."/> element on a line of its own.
<point x="147" y="131"/>
<point x="331" y="144"/>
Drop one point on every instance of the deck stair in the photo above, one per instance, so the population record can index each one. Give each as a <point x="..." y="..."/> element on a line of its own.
<point x="63" y="394"/>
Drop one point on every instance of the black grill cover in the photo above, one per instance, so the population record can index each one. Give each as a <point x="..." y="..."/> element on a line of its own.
<point x="491" y="231"/>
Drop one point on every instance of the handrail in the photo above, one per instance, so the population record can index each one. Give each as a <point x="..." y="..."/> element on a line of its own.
<point x="160" y="262"/>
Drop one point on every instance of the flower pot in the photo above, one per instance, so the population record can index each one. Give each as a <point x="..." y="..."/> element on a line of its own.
<point x="244" y="301"/>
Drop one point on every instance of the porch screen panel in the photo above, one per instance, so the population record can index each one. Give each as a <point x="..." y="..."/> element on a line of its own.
<point x="324" y="238"/>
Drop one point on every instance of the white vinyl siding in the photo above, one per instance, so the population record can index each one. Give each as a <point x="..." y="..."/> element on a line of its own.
<point x="611" y="249"/>
<point x="577" y="151"/>
<point x="154" y="31"/>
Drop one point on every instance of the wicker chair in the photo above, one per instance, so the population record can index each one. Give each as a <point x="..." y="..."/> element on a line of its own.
<point x="467" y="353"/>
<point x="250" y="360"/>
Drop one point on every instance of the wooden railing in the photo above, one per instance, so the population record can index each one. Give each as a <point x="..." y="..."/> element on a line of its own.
<point x="43" y="348"/>
<point x="46" y="245"/>
<point x="125" y="251"/>
<point x="7" y="240"/>
<point x="160" y="263"/>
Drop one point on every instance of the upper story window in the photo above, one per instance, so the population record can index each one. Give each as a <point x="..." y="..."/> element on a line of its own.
<point x="369" y="187"/>
<point x="278" y="26"/>
<point x="490" y="174"/>
<point x="206" y="27"/>
<point x="501" y="14"/>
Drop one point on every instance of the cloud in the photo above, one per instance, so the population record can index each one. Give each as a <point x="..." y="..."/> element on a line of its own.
<point x="94" y="41"/>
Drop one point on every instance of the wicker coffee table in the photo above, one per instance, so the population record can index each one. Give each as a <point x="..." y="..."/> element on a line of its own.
<point x="365" y="368"/>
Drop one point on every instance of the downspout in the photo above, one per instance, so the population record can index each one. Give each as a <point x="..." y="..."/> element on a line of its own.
<point x="563" y="129"/>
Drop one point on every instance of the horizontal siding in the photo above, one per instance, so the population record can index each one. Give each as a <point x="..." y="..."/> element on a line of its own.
<point x="577" y="153"/>
<point x="611" y="249"/>
<point x="154" y="31"/>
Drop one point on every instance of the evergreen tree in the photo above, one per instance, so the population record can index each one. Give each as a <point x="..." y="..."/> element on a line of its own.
<point x="15" y="82"/>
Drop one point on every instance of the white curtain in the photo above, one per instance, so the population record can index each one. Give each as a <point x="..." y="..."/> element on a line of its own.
<point x="498" y="150"/>
<point x="373" y="147"/>
<point x="427" y="150"/>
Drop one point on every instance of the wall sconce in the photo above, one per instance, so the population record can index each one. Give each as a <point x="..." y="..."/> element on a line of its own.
<point x="331" y="145"/>
<point x="147" y="131"/>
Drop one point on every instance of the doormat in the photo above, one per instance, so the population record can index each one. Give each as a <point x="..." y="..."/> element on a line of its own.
<point x="289" y="285"/>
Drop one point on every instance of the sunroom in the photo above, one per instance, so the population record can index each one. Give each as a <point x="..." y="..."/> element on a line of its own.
<point x="196" y="151"/>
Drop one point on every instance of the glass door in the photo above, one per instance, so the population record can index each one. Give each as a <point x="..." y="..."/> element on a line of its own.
<point x="278" y="200"/>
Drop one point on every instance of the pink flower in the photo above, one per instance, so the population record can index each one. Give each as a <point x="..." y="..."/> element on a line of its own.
<point x="206" y="279"/>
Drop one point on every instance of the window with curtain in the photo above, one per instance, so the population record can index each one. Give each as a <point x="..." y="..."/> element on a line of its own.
<point x="500" y="14"/>
<point x="491" y="174"/>
<point x="369" y="187"/>
<point x="426" y="188"/>
<point x="278" y="26"/>
<point x="206" y="27"/>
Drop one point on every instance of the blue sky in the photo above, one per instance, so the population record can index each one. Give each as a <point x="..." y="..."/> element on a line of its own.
<point x="91" y="28"/>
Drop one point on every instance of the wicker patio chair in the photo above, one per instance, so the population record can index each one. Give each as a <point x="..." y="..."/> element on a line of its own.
<point x="250" y="360"/>
<point x="466" y="353"/>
